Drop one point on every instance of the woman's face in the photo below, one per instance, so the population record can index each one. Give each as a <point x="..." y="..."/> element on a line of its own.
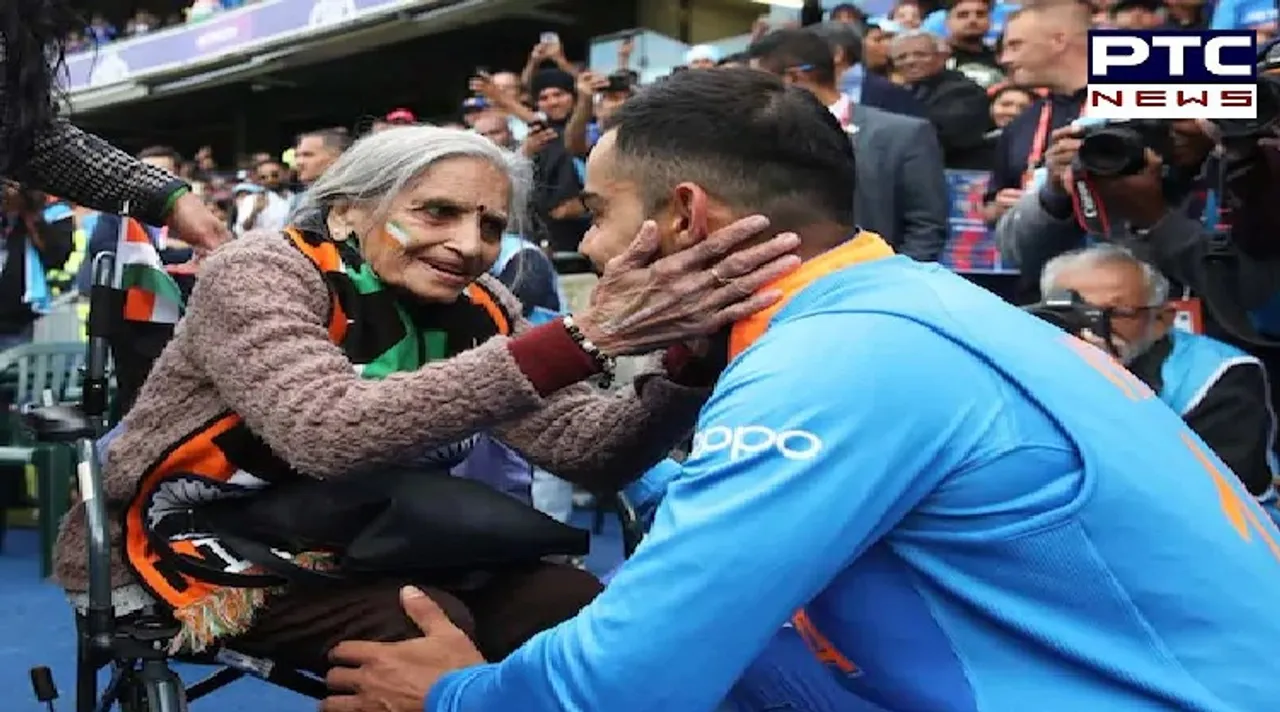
<point x="442" y="232"/>
<point x="1008" y="105"/>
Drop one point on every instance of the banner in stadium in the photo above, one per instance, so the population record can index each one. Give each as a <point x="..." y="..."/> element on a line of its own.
<point x="970" y="247"/>
<point x="258" y="25"/>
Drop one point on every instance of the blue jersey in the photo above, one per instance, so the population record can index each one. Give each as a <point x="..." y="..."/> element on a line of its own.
<point x="969" y="509"/>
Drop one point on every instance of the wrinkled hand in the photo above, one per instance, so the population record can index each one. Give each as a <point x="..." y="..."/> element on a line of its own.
<point x="1064" y="144"/>
<point x="642" y="304"/>
<point x="1138" y="198"/>
<point x="192" y="222"/>
<point x="536" y="141"/>
<point x="396" y="677"/>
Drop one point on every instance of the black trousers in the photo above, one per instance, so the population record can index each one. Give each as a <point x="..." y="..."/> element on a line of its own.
<point x="299" y="629"/>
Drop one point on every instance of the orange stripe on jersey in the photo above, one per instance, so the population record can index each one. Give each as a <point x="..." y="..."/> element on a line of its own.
<point x="864" y="247"/>
<point x="822" y="647"/>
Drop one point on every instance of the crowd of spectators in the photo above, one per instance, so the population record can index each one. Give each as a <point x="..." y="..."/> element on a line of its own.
<point x="102" y="29"/>
<point x="925" y="92"/>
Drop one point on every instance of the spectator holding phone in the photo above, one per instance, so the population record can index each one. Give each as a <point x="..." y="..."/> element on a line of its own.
<point x="598" y="98"/>
<point x="547" y="50"/>
<point x="558" y="177"/>
<point x="500" y="93"/>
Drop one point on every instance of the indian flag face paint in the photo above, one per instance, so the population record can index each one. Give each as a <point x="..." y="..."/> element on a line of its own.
<point x="399" y="234"/>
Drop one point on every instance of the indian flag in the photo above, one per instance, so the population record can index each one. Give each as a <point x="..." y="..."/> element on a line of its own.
<point x="150" y="294"/>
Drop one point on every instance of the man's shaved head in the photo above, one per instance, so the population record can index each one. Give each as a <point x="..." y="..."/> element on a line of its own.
<point x="1071" y="15"/>
<point x="1046" y="44"/>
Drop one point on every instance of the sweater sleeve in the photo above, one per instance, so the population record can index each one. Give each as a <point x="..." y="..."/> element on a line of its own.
<point x="597" y="439"/>
<point x="88" y="171"/>
<point x="603" y="441"/>
<point x="257" y="326"/>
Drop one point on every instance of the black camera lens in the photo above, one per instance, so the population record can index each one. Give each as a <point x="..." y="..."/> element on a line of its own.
<point x="1113" y="152"/>
<point x="1106" y="153"/>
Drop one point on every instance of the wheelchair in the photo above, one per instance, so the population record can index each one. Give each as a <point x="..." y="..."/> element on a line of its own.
<point x="135" y="648"/>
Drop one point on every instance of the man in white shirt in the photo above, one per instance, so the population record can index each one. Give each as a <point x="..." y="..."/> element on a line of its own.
<point x="266" y="203"/>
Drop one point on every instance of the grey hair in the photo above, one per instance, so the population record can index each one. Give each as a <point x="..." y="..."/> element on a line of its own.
<point x="1155" y="284"/>
<point x="381" y="165"/>
<point x="939" y="44"/>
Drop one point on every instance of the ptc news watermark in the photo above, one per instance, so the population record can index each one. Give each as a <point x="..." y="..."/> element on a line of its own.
<point x="1172" y="75"/>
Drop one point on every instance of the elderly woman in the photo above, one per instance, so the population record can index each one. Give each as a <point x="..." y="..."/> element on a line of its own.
<point x="368" y="336"/>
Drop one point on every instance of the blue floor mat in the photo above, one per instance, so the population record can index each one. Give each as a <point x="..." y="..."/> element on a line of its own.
<point x="36" y="628"/>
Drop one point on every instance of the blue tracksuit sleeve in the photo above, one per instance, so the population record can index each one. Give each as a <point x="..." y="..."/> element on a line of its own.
<point x="794" y="473"/>
<point x="647" y="492"/>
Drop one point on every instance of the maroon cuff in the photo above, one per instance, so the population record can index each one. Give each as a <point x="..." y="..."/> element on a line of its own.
<point x="550" y="358"/>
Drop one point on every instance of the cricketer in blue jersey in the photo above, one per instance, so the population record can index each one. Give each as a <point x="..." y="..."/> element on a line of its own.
<point x="958" y="506"/>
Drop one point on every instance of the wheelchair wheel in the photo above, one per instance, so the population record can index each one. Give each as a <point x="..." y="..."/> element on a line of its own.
<point x="155" y="688"/>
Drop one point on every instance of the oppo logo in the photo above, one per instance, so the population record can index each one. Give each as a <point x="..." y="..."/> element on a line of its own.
<point x="748" y="440"/>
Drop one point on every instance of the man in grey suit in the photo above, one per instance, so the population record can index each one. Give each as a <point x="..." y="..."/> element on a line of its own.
<point x="902" y="190"/>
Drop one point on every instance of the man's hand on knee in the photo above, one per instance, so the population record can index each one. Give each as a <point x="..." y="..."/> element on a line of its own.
<point x="396" y="677"/>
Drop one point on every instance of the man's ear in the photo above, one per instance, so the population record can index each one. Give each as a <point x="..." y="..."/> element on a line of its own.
<point x="689" y="214"/>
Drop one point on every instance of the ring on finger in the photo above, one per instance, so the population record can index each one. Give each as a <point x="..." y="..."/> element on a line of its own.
<point x="720" y="281"/>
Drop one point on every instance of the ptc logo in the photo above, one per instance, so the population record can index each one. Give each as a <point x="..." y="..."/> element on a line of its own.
<point x="1172" y="75"/>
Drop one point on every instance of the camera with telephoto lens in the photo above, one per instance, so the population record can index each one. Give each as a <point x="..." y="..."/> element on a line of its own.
<point x="1068" y="311"/>
<point x="1118" y="148"/>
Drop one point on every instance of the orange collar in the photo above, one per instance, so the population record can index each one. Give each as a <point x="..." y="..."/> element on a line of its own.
<point x="864" y="247"/>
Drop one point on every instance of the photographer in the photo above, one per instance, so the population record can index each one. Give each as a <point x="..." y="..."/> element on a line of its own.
<point x="1149" y="208"/>
<point x="1121" y="305"/>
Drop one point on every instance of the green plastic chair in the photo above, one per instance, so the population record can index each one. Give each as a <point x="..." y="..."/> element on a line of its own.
<point x="34" y="370"/>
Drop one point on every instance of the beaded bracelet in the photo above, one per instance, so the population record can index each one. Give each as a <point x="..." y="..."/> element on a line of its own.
<point x="604" y="362"/>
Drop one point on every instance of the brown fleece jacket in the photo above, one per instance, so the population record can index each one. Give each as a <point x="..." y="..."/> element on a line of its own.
<point x="254" y="341"/>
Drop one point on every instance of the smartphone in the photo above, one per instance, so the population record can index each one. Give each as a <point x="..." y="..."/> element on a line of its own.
<point x="482" y="71"/>
<point x="549" y="38"/>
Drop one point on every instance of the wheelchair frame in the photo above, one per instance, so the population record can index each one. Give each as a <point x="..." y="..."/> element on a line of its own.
<point x="136" y="648"/>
